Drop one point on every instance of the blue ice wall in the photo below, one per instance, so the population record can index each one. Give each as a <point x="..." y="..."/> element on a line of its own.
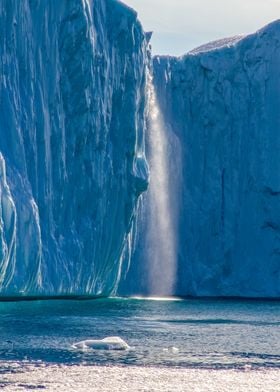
<point x="220" y="110"/>
<point x="72" y="163"/>
<point x="222" y="102"/>
<point x="73" y="108"/>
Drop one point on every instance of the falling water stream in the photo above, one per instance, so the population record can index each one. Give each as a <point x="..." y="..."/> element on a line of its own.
<point x="161" y="236"/>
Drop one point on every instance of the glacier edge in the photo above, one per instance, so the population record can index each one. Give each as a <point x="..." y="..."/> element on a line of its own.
<point x="73" y="106"/>
<point x="220" y="104"/>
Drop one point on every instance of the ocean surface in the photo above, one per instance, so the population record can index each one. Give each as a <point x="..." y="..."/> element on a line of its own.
<point x="180" y="345"/>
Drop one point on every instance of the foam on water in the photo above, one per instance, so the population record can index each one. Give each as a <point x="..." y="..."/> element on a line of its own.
<point x="103" y="378"/>
<point x="162" y="299"/>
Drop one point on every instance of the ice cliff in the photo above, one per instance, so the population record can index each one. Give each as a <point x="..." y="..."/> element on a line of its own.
<point x="73" y="110"/>
<point x="220" y="112"/>
<point x="221" y="105"/>
<point x="72" y="162"/>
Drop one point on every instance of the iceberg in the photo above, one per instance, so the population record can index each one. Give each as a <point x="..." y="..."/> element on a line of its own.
<point x="72" y="164"/>
<point x="220" y="104"/>
<point x="74" y="220"/>
<point x="220" y="108"/>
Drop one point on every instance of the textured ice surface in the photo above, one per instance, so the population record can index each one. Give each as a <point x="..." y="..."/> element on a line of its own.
<point x="73" y="86"/>
<point x="72" y="163"/>
<point x="222" y="104"/>
<point x="220" y="43"/>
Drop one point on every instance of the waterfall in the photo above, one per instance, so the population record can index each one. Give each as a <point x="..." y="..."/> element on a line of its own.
<point x="161" y="238"/>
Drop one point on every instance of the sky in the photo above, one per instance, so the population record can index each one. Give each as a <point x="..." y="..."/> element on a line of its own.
<point x="181" y="25"/>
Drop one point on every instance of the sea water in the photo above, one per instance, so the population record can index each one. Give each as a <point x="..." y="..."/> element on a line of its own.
<point x="180" y="345"/>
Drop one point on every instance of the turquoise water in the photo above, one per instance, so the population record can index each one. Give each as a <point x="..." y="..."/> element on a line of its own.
<point x="184" y="333"/>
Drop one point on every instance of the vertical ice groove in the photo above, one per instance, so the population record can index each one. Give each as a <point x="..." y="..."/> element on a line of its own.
<point x="161" y="235"/>
<point x="36" y="279"/>
<point x="8" y="224"/>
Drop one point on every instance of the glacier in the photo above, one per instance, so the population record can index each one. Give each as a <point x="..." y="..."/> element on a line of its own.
<point x="72" y="154"/>
<point x="89" y="118"/>
<point x="221" y="109"/>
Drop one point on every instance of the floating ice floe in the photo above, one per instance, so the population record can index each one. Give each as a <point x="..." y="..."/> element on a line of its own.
<point x="173" y="350"/>
<point x="110" y="343"/>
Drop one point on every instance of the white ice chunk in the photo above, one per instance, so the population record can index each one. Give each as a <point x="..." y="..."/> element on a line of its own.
<point x="109" y="343"/>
